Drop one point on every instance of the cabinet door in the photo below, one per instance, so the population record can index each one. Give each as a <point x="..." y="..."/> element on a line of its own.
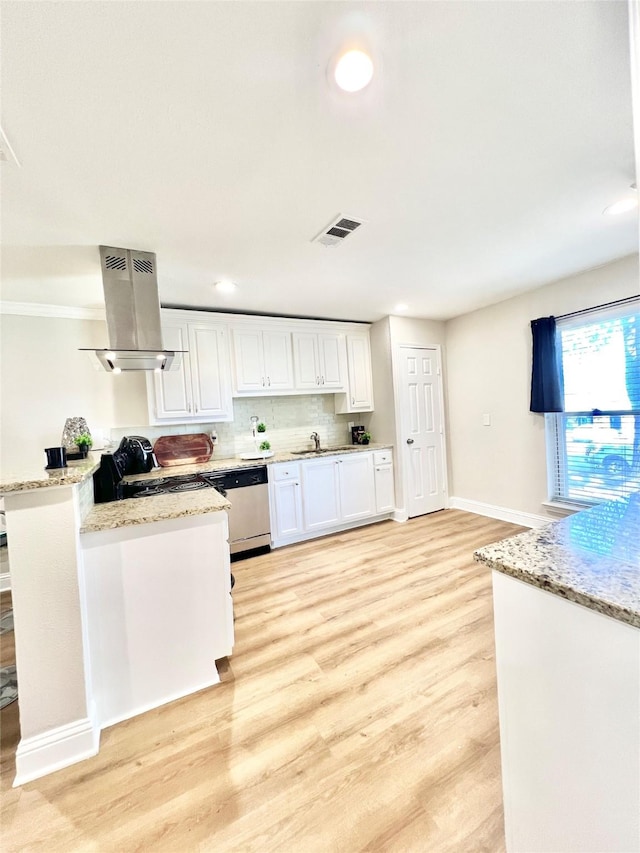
<point x="332" y="358"/>
<point x="173" y="387"/>
<point x="357" y="488"/>
<point x="248" y="360"/>
<point x="287" y="515"/>
<point x="278" y="361"/>
<point x="385" y="499"/>
<point x="320" y="500"/>
<point x="360" y="382"/>
<point x="307" y="370"/>
<point x="210" y="372"/>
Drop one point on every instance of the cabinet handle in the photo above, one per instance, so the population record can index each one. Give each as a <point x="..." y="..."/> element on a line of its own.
<point x="322" y="380"/>
<point x="353" y="401"/>
<point x="317" y="380"/>
<point x="263" y="381"/>
<point x="189" y="407"/>
<point x="268" y="380"/>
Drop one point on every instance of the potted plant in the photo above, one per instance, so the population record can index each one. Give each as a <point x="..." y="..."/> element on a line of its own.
<point x="261" y="427"/>
<point x="83" y="443"/>
<point x="365" y="438"/>
<point x="265" y="445"/>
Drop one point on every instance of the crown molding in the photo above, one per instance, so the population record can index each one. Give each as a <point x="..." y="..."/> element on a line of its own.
<point x="61" y="312"/>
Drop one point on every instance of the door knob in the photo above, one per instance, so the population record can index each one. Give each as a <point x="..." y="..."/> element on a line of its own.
<point x="409" y="441"/>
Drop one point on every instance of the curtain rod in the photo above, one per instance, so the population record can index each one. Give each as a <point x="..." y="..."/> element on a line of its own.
<point x="597" y="307"/>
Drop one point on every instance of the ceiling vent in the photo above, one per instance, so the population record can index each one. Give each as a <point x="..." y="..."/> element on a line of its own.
<point x="338" y="230"/>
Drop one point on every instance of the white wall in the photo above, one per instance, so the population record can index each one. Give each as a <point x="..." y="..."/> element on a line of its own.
<point x="489" y="372"/>
<point x="44" y="380"/>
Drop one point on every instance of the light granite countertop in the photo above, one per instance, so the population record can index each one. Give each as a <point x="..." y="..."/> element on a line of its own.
<point x="36" y="476"/>
<point x="109" y="516"/>
<point x="591" y="558"/>
<point x="226" y="464"/>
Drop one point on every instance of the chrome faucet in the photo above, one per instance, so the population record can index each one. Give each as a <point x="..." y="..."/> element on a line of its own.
<point x="316" y="438"/>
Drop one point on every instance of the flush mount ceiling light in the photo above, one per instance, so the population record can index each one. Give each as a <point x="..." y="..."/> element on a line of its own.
<point x="353" y="71"/>
<point x="623" y="205"/>
<point x="225" y="286"/>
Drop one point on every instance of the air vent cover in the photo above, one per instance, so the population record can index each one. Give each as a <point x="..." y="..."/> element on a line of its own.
<point x="338" y="230"/>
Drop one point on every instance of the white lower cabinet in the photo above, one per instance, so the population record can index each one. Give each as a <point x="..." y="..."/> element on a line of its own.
<point x="356" y="486"/>
<point x="383" y="477"/>
<point x="330" y="493"/>
<point x="286" y="501"/>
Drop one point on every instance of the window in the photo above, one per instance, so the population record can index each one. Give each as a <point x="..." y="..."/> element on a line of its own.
<point x="594" y="445"/>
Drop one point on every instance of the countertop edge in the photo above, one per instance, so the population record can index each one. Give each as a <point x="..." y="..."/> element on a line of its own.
<point x="568" y="593"/>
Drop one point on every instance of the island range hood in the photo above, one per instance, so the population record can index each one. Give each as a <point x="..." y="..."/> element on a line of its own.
<point x="132" y="305"/>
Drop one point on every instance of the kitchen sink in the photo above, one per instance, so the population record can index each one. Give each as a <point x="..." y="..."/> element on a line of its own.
<point x="322" y="450"/>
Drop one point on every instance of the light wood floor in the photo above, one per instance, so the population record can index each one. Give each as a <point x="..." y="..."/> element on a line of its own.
<point x="358" y="713"/>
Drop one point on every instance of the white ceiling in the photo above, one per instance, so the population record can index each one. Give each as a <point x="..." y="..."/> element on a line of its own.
<point x="481" y="155"/>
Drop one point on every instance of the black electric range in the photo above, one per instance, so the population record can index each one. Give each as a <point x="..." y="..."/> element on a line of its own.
<point x="170" y="485"/>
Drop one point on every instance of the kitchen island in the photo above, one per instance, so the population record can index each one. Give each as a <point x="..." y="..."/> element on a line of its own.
<point x="567" y="633"/>
<point x="93" y="586"/>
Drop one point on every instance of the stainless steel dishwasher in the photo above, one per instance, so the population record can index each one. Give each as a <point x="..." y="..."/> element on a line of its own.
<point x="249" y="520"/>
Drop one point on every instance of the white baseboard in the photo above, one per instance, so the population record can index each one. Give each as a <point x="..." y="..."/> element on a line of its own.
<point x="524" y="519"/>
<point x="5" y="582"/>
<point x="400" y="515"/>
<point x="57" y="748"/>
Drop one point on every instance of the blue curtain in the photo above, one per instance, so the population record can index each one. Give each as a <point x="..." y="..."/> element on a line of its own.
<point x="547" y="390"/>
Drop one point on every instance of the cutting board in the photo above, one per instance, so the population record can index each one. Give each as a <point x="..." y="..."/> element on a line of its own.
<point x="183" y="449"/>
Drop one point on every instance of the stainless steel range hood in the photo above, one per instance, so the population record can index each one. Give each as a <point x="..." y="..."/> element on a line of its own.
<point x="130" y="286"/>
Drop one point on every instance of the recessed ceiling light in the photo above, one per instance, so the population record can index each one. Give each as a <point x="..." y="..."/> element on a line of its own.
<point x="401" y="306"/>
<point x="354" y="71"/>
<point x="622" y="206"/>
<point x="226" y="286"/>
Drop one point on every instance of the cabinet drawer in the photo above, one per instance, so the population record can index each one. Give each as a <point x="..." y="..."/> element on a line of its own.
<point x="285" y="471"/>
<point x="382" y="457"/>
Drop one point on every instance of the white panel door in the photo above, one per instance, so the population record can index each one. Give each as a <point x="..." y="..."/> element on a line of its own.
<point x="278" y="361"/>
<point x="210" y="372"/>
<point x="422" y="430"/>
<point x="173" y="387"/>
<point x="320" y="498"/>
<point x="357" y="487"/>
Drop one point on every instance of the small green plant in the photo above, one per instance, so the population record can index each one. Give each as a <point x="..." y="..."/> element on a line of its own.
<point x="83" y="440"/>
<point x="365" y="438"/>
<point x="265" y="445"/>
<point x="262" y="427"/>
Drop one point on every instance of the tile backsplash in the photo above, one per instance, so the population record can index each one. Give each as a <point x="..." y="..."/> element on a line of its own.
<point x="289" y="421"/>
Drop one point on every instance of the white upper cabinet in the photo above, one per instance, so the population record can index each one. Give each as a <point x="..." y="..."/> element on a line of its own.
<point x="359" y="395"/>
<point x="200" y="389"/>
<point x="263" y="362"/>
<point x="319" y="361"/>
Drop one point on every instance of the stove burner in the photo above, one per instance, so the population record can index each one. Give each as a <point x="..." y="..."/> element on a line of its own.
<point x="188" y="486"/>
<point x="150" y="484"/>
<point x="150" y="492"/>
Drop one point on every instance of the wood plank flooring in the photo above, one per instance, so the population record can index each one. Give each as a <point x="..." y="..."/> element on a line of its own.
<point x="357" y="713"/>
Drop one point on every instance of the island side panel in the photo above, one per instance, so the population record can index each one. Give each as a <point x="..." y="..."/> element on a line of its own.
<point x="159" y="611"/>
<point x="569" y="702"/>
<point x="56" y="715"/>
